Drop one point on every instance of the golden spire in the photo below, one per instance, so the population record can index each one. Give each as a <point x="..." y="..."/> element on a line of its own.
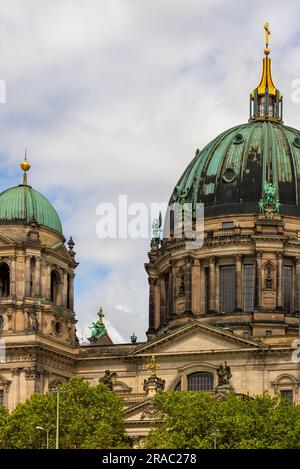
<point x="266" y="81"/>
<point x="152" y="366"/>
<point x="25" y="166"/>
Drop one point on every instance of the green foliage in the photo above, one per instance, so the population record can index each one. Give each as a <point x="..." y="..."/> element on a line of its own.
<point x="90" y="417"/>
<point x="196" y="420"/>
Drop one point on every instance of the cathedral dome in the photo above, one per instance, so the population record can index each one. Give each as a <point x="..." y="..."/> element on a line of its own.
<point x="228" y="175"/>
<point x="231" y="173"/>
<point x="23" y="204"/>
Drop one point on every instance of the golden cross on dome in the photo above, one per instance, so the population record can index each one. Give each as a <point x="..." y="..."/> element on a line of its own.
<point x="152" y="366"/>
<point x="268" y="32"/>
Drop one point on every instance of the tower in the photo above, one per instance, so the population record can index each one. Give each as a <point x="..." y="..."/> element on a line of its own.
<point x="36" y="287"/>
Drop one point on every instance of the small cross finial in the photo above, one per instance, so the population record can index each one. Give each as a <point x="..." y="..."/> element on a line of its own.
<point x="268" y="32"/>
<point x="152" y="366"/>
<point x="101" y="315"/>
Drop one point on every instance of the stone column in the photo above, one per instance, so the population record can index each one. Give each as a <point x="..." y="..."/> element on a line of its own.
<point x="48" y="281"/>
<point x="27" y="275"/>
<point x="296" y="283"/>
<point x="238" y="283"/>
<point x="279" y="299"/>
<point x="64" y="288"/>
<point x="258" y="280"/>
<point x="202" y="290"/>
<point x="196" y="287"/>
<point x="151" y="282"/>
<point x="71" y="290"/>
<point x="188" y="284"/>
<point x="163" y="305"/>
<point x="15" y="386"/>
<point x="37" y="277"/>
<point x="157" y="304"/>
<point x="43" y="278"/>
<point x="12" y="275"/>
<point x="212" y="283"/>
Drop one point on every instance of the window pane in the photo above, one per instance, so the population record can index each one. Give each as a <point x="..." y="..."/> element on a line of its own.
<point x="1" y="397"/>
<point x="200" y="381"/>
<point x="288" y="393"/>
<point x="287" y="285"/>
<point x="248" y="287"/>
<point x="206" y="272"/>
<point x="227" y="288"/>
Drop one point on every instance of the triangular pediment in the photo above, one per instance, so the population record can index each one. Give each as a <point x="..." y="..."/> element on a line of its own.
<point x="143" y="411"/>
<point x="5" y="241"/>
<point x="196" y="337"/>
<point x="61" y="250"/>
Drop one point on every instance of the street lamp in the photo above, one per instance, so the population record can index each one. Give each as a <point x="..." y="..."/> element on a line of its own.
<point x="42" y="429"/>
<point x="57" y="391"/>
<point x="215" y="434"/>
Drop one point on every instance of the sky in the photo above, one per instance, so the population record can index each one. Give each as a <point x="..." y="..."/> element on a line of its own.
<point x="114" y="97"/>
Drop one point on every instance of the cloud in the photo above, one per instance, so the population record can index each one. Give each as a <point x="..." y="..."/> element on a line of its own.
<point x="114" y="97"/>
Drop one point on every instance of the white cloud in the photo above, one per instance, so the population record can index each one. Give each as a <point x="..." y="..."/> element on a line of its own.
<point x="114" y="97"/>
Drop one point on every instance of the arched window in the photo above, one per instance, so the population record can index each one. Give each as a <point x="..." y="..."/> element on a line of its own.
<point x="201" y="381"/>
<point x="1" y="325"/>
<point x="178" y="386"/>
<point x="4" y="280"/>
<point x="55" y="286"/>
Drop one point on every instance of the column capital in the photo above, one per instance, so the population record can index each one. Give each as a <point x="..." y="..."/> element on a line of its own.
<point x="238" y="257"/>
<point x="279" y="254"/>
<point x="296" y="260"/>
<point x="173" y="262"/>
<point x="212" y="259"/>
<point x="15" y="371"/>
<point x="258" y="254"/>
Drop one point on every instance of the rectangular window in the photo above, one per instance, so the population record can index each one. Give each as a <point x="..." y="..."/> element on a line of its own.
<point x="207" y="289"/>
<point x="1" y="397"/>
<point x="248" y="287"/>
<point x="227" y="224"/>
<point x="287" y="287"/>
<point x="227" y="288"/>
<point x="288" y="393"/>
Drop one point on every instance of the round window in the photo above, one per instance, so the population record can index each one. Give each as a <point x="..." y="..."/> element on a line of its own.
<point x="229" y="175"/>
<point x="296" y="142"/>
<point x="238" y="138"/>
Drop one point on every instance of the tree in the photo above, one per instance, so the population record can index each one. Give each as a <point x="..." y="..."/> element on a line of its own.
<point x="198" y="420"/>
<point x="3" y="422"/>
<point x="90" y="416"/>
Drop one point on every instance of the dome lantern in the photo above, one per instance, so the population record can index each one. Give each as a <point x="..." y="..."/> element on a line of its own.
<point x="265" y="99"/>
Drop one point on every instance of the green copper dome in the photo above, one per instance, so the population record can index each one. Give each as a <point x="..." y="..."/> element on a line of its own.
<point x="22" y="204"/>
<point x="228" y="175"/>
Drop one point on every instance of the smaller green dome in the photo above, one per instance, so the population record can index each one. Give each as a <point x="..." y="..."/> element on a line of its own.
<point x="22" y="204"/>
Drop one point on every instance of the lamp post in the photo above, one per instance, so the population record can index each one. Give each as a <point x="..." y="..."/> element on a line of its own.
<point x="42" y="429"/>
<point x="57" y="391"/>
<point x="215" y="434"/>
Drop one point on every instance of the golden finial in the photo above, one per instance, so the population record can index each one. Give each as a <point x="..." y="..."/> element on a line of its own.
<point x="152" y="366"/>
<point x="268" y="32"/>
<point x="25" y="166"/>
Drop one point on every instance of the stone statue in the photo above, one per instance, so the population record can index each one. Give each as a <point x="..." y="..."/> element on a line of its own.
<point x="224" y="374"/>
<point x="109" y="379"/>
<point x="269" y="202"/>
<point x="156" y="227"/>
<point x="32" y="315"/>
